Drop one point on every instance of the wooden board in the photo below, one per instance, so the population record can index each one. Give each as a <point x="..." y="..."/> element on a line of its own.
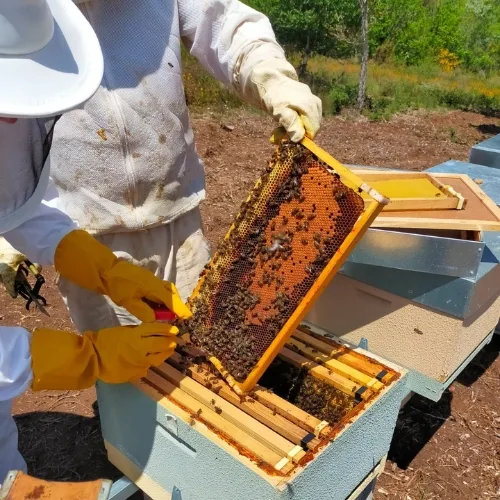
<point x="274" y="402"/>
<point x="336" y="351"/>
<point x="321" y="372"/>
<point x="413" y="191"/>
<point x="456" y="234"/>
<point x="335" y="365"/>
<point x="20" y="486"/>
<point x="479" y="214"/>
<point x="252" y="407"/>
<point x="289" y="411"/>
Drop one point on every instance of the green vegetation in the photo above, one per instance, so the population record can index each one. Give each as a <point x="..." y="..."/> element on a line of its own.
<point x="423" y="54"/>
<point x="462" y="33"/>
<point x="203" y="91"/>
<point x="393" y="89"/>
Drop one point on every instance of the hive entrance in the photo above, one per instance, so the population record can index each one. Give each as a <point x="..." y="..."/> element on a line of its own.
<point x="287" y="232"/>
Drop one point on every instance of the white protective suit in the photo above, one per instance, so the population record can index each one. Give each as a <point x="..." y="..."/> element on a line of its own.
<point x="125" y="165"/>
<point x="38" y="237"/>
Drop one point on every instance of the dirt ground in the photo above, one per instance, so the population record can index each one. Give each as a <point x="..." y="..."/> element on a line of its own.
<point x="446" y="450"/>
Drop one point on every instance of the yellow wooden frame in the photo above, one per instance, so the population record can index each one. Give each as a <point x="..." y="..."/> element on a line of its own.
<point x="434" y="195"/>
<point x="462" y="224"/>
<point x="352" y="181"/>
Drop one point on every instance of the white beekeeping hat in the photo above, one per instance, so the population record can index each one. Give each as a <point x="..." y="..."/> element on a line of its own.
<point x="50" y="62"/>
<point x="50" y="58"/>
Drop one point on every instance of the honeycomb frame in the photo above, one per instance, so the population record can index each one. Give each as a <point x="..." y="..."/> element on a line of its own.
<point x="243" y="309"/>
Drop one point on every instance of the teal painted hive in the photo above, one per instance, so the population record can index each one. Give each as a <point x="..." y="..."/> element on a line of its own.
<point x="172" y="451"/>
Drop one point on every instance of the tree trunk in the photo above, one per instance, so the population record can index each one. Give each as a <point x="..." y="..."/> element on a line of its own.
<point x="305" y="59"/>
<point x="364" y="54"/>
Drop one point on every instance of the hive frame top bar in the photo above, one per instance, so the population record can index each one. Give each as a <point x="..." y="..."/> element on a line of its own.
<point x="353" y="182"/>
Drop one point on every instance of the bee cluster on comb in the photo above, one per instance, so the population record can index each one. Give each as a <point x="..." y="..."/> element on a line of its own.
<point x="285" y="234"/>
<point x="307" y="392"/>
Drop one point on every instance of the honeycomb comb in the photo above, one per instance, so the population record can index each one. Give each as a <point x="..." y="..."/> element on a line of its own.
<point x="291" y="236"/>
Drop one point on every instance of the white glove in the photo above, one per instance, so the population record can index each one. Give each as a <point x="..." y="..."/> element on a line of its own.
<point x="273" y="84"/>
<point x="10" y="260"/>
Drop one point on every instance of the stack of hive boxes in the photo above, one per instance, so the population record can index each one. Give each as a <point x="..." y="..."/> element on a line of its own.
<point x="427" y="300"/>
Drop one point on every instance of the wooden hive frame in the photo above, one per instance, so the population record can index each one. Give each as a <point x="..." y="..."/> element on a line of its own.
<point x="479" y="214"/>
<point x="365" y="219"/>
<point x="413" y="191"/>
<point x="264" y="430"/>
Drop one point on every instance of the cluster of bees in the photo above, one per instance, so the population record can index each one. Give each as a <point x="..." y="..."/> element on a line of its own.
<point x="308" y="393"/>
<point x="284" y="235"/>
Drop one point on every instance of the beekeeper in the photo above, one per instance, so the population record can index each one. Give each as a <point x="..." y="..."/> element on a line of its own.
<point x="50" y="62"/>
<point x="125" y="163"/>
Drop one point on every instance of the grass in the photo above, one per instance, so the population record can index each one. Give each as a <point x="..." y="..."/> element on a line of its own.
<point x="391" y="89"/>
<point x="203" y="92"/>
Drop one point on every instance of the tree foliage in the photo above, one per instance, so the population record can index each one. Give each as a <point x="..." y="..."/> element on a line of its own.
<point x="318" y="26"/>
<point x="406" y="31"/>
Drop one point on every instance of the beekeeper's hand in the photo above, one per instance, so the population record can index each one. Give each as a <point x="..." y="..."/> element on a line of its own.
<point x="274" y="84"/>
<point x="83" y="260"/>
<point x="67" y="361"/>
<point x="10" y="260"/>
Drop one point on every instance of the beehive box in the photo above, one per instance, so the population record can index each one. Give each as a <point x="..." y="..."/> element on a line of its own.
<point x="478" y="213"/>
<point x="321" y="420"/>
<point x="487" y="153"/>
<point x="461" y="297"/>
<point x="432" y="344"/>
<point x="444" y="253"/>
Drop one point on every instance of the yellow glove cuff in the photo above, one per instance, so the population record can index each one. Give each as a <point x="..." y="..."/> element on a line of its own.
<point x="83" y="260"/>
<point x="62" y="360"/>
<point x="80" y="258"/>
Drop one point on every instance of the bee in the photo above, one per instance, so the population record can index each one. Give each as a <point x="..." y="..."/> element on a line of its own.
<point x="340" y="195"/>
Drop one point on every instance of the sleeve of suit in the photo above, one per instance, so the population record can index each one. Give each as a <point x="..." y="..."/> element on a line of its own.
<point x="38" y="237"/>
<point x="221" y="34"/>
<point x="15" y="362"/>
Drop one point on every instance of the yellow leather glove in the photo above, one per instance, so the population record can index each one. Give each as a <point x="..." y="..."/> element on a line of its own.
<point x="10" y="260"/>
<point x="83" y="260"/>
<point x="66" y="361"/>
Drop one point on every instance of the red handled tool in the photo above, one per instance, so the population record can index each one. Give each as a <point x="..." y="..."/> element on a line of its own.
<point x="162" y="313"/>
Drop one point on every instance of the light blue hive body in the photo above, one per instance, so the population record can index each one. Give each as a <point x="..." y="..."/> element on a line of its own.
<point x="181" y="460"/>
<point x="487" y="153"/>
